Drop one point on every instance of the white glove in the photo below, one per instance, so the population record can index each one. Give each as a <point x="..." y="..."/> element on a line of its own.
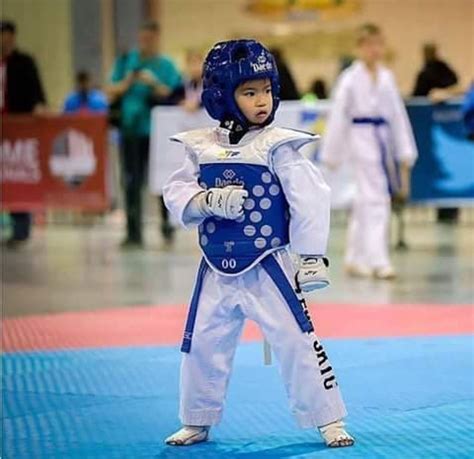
<point x="312" y="273"/>
<point x="227" y="202"/>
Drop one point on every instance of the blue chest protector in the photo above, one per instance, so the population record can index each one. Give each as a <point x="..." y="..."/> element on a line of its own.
<point x="232" y="246"/>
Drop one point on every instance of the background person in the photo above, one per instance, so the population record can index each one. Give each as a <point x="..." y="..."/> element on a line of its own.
<point x="192" y="87"/>
<point x="141" y="78"/>
<point x="288" y="88"/>
<point x="436" y="80"/>
<point x="368" y="124"/>
<point x="85" y="99"/>
<point x="21" y="92"/>
<point x="435" y="74"/>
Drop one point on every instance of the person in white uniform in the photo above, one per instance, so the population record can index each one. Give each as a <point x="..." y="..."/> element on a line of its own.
<point x="254" y="197"/>
<point x="368" y="124"/>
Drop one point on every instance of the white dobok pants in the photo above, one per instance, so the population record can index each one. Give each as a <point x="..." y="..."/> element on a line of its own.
<point x="224" y="304"/>
<point x="369" y="224"/>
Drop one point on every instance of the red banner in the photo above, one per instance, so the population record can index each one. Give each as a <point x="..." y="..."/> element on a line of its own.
<point x="54" y="162"/>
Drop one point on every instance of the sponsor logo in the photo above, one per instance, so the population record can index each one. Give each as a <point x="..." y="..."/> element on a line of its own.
<point x="20" y="161"/>
<point x="228" y="174"/>
<point x="265" y="67"/>
<point x="229" y="245"/>
<point x="229" y="179"/>
<point x="325" y="369"/>
<point x="226" y="154"/>
<point x="72" y="157"/>
<point x="221" y="183"/>
<point x="329" y="380"/>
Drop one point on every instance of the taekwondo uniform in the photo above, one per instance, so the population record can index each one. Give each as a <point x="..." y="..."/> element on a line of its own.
<point x="368" y="123"/>
<point x="247" y="270"/>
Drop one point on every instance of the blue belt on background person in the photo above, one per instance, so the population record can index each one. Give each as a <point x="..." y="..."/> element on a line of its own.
<point x="389" y="163"/>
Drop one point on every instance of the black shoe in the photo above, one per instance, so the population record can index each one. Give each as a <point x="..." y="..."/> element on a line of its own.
<point x="131" y="244"/>
<point x="15" y="244"/>
<point x="167" y="232"/>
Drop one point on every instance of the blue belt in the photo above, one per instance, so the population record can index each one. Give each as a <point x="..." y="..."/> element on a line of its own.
<point x="189" y="328"/>
<point x="376" y="120"/>
<point x="273" y="269"/>
<point x="389" y="163"/>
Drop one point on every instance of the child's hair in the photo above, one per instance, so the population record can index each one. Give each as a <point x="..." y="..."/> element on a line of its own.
<point x="366" y="31"/>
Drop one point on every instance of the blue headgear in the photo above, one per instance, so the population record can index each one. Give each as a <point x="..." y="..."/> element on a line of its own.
<point x="230" y="63"/>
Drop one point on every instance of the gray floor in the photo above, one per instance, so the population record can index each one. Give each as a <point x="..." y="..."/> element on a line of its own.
<point x="66" y="268"/>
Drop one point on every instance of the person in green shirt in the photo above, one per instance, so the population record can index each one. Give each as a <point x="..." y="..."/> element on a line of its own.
<point x="140" y="79"/>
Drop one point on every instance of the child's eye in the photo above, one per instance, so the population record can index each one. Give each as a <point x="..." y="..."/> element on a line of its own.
<point x="249" y="93"/>
<point x="269" y="90"/>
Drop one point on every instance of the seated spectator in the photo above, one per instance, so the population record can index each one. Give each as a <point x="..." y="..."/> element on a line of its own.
<point x="85" y="99"/>
<point x="468" y="112"/>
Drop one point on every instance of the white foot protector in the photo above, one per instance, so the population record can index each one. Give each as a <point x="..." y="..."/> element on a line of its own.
<point x="335" y="436"/>
<point x="358" y="271"/>
<point x="385" y="273"/>
<point x="188" y="435"/>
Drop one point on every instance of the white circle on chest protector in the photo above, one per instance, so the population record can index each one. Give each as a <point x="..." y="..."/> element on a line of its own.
<point x="265" y="203"/>
<point x="266" y="230"/>
<point x="274" y="190"/>
<point x="211" y="227"/>
<point x="266" y="177"/>
<point x="275" y="242"/>
<point x="249" y="204"/>
<point x="258" y="190"/>
<point x="260" y="243"/>
<point x="250" y="230"/>
<point x="255" y="217"/>
<point x="204" y="240"/>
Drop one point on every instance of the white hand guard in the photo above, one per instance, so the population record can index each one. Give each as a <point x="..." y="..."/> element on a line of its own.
<point x="312" y="273"/>
<point x="227" y="202"/>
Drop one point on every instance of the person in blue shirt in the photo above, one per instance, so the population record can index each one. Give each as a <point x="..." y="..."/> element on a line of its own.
<point x="85" y="99"/>
<point x="140" y="79"/>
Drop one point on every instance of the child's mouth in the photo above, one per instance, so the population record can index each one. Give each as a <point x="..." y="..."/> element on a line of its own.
<point x="261" y="114"/>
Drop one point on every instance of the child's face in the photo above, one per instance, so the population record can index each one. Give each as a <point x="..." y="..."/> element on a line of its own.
<point x="372" y="48"/>
<point x="254" y="99"/>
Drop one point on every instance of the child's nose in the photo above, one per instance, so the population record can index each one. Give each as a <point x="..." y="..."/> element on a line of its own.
<point x="261" y="101"/>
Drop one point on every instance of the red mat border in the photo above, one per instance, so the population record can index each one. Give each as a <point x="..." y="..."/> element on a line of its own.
<point x="163" y="325"/>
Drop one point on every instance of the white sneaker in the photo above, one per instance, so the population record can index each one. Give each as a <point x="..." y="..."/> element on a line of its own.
<point x="188" y="435"/>
<point x="386" y="273"/>
<point x="335" y="436"/>
<point x="312" y="273"/>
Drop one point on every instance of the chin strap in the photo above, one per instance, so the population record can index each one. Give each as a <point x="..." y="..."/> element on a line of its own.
<point x="236" y="130"/>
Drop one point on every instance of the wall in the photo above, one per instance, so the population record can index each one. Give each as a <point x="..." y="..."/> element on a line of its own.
<point x="44" y="30"/>
<point x="313" y="48"/>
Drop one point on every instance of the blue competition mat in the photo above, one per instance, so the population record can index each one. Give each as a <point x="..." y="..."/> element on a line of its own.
<point x="407" y="398"/>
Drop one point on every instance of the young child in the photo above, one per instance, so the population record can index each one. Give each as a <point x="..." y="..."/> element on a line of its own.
<point x="368" y="120"/>
<point x="252" y="194"/>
